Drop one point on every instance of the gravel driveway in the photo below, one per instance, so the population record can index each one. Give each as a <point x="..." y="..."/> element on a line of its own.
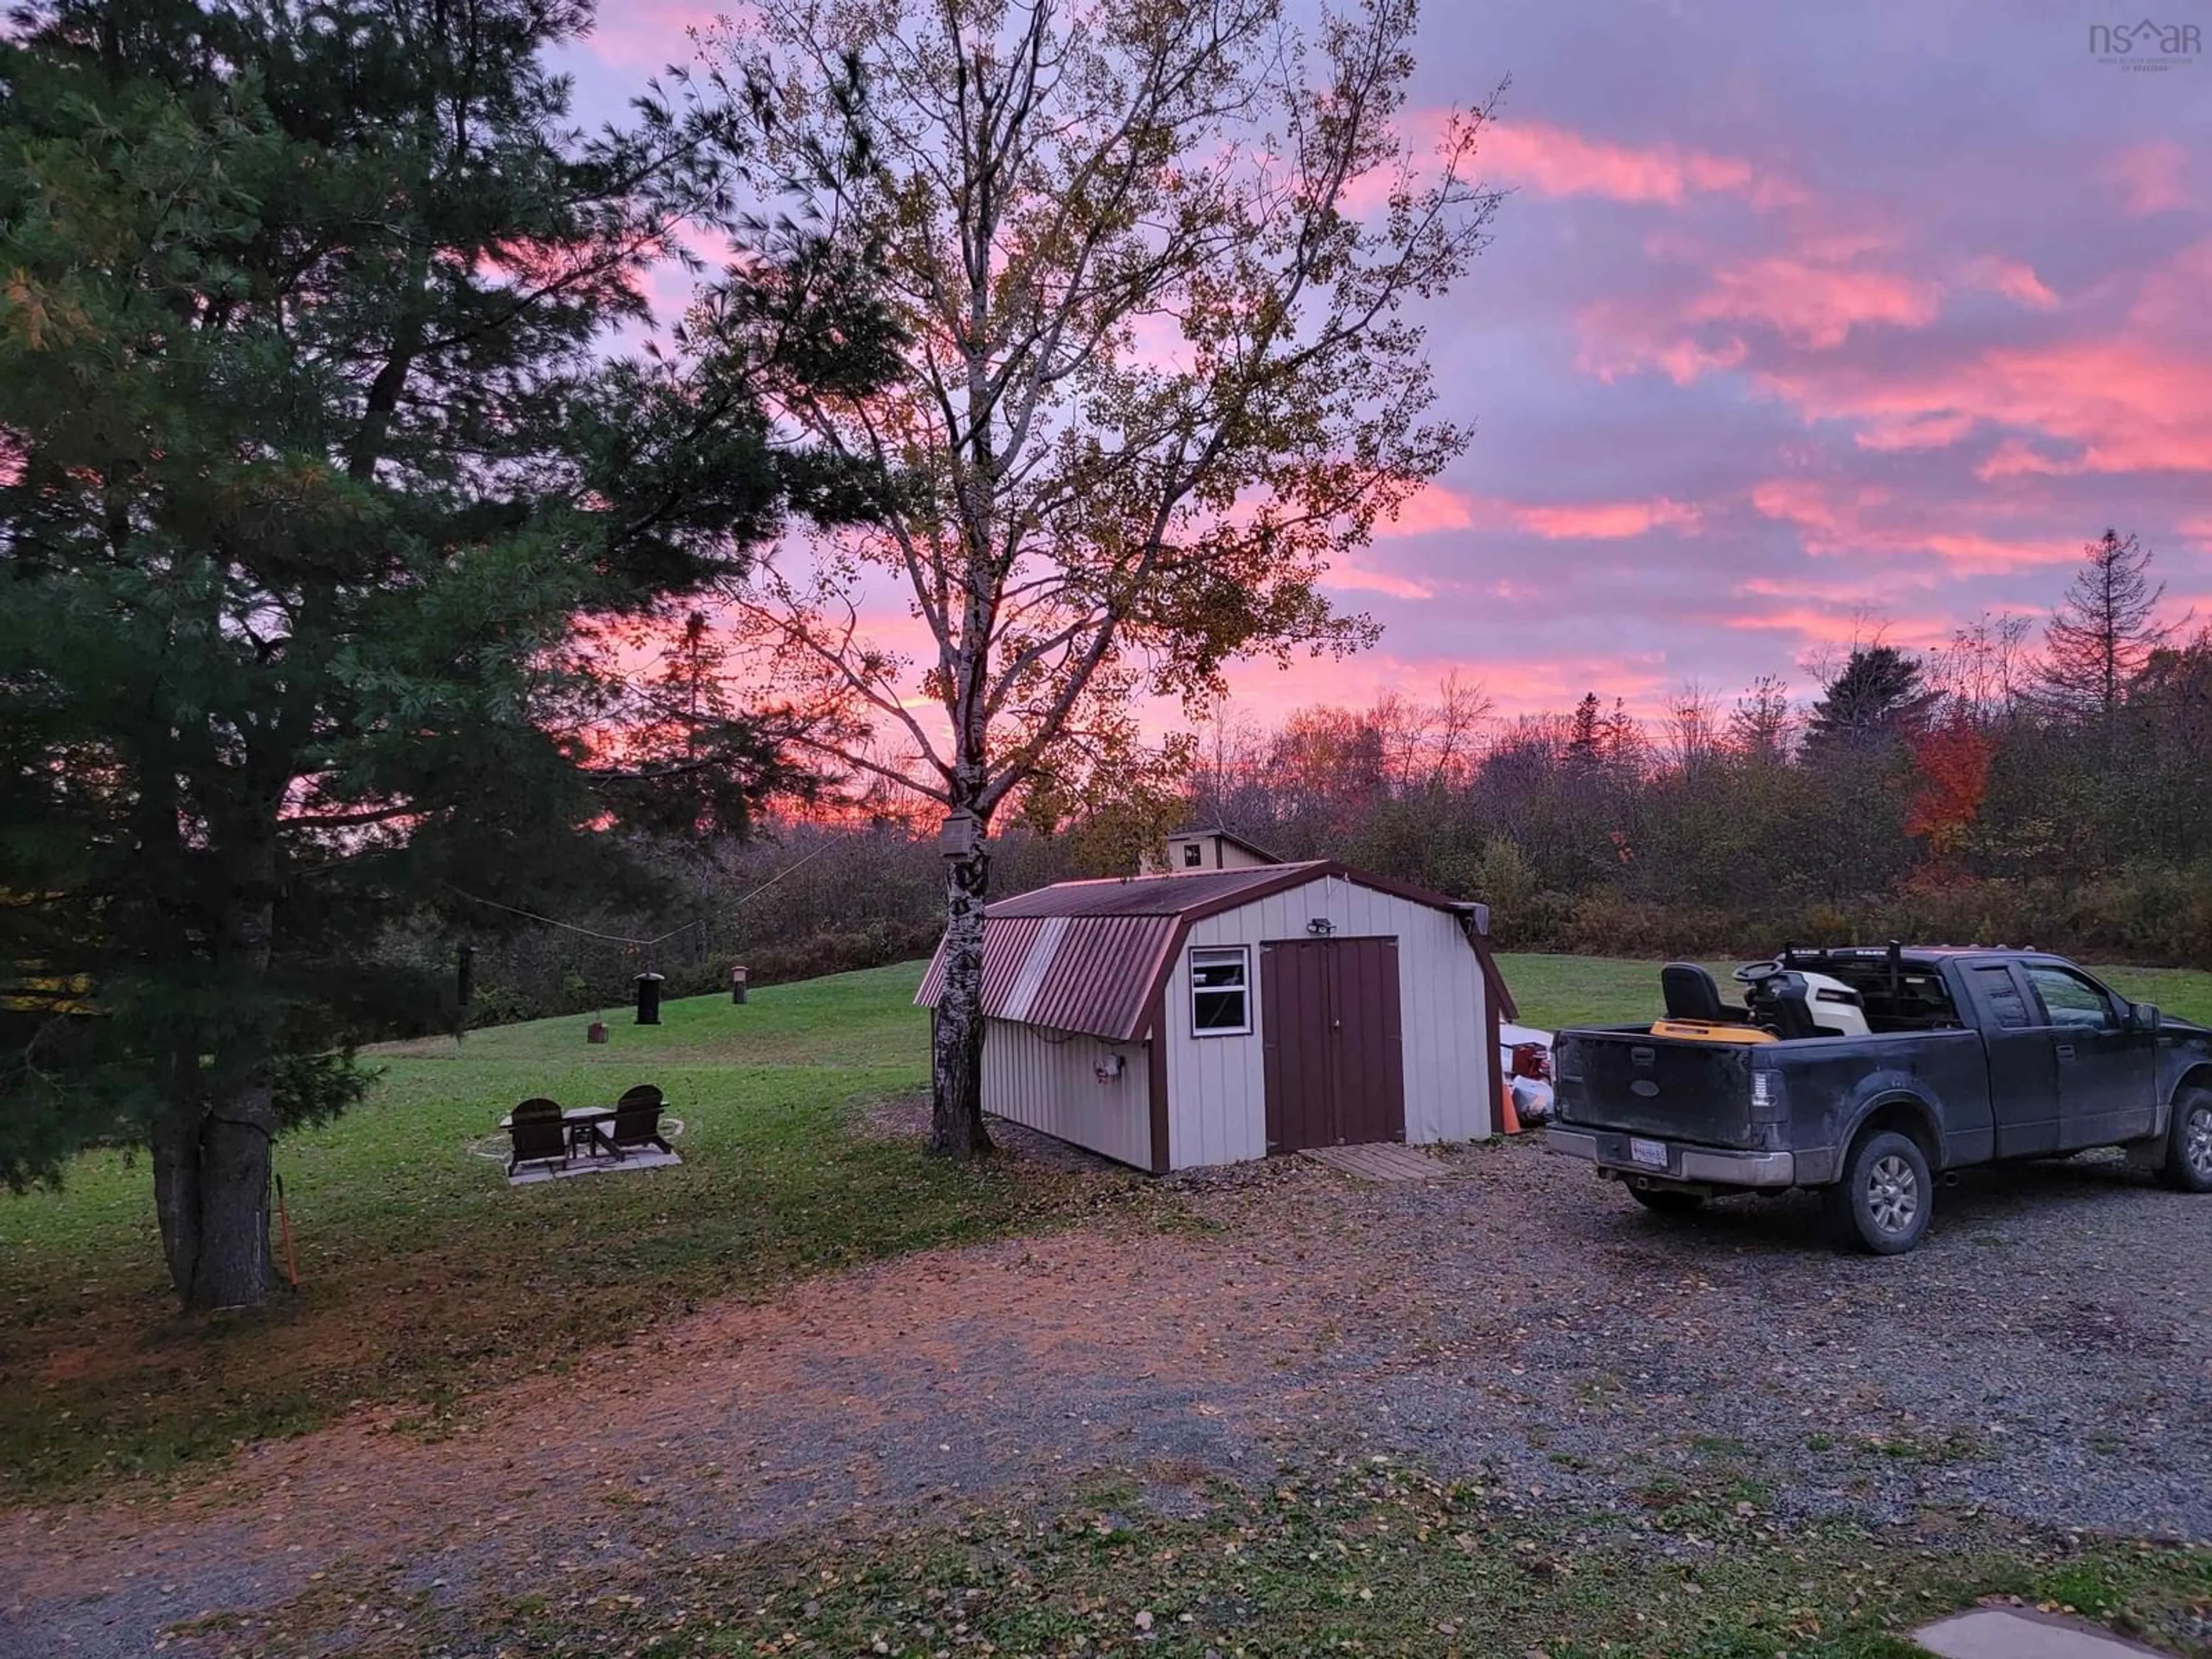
<point x="2047" y="1354"/>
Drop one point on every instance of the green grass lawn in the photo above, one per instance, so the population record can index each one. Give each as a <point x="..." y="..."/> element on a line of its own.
<point x="1349" y="1555"/>
<point x="426" y="1279"/>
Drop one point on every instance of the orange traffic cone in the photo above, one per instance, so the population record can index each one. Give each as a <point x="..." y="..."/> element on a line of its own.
<point x="1509" y="1121"/>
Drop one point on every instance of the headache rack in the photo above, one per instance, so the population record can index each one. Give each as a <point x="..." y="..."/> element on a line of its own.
<point x="1898" y="996"/>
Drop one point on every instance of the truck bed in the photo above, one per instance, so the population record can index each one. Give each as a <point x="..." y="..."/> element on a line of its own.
<point x="1625" y="1078"/>
<point x="1798" y="1096"/>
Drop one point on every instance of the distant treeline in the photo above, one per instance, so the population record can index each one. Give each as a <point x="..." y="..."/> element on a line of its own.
<point x="2030" y="782"/>
<point x="2025" y="784"/>
<point x="806" y="899"/>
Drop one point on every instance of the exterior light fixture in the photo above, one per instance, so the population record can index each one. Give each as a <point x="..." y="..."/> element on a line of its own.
<point x="1321" y="927"/>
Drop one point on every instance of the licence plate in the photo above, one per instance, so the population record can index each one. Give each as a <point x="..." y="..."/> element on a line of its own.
<point x="1652" y="1154"/>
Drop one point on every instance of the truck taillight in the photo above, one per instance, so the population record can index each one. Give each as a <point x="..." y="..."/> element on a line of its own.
<point x="1765" y="1097"/>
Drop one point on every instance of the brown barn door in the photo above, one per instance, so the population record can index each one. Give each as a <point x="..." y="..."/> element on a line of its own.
<point x="1332" y="1042"/>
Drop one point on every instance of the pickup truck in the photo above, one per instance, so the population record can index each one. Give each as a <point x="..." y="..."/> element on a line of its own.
<point x="1867" y="1073"/>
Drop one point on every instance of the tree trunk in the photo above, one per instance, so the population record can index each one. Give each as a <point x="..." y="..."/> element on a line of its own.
<point x="211" y="1198"/>
<point x="177" y="1191"/>
<point x="211" y="1147"/>
<point x="234" y="1268"/>
<point x="956" y="1108"/>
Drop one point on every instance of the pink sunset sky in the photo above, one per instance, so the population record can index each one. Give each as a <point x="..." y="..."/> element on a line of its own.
<point x="1801" y="324"/>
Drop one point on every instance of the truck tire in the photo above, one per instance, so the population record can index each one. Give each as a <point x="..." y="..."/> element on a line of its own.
<point x="1881" y="1204"/>
<point x="1667" y="1200"/>
<point x="2188" y="1166"/>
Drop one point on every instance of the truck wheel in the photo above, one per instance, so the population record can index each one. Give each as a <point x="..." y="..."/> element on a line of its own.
<point x="1666" y="1200"/>
<point x="1881" y="1204"/>
<point x="2188" y="1166"/>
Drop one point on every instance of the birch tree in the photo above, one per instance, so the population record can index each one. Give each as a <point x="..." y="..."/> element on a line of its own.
<point x="1161" y="267"/>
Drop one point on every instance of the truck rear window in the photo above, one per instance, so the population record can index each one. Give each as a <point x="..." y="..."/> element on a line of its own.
<point x="1994" y="986"/>
<point x="1916" y="1001"/>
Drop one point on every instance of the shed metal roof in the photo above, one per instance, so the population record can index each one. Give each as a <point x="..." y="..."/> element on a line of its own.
<point x="1199" y="891"/>
<point x="1089" y="956"/>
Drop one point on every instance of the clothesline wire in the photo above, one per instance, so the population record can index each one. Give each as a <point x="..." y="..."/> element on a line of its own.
<point x="623" y="939"/>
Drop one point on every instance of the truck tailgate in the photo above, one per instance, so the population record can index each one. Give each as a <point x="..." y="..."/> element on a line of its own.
<point x="1660" y="1086"/>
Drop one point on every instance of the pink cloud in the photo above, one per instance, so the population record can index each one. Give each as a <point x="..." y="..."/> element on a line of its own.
<point x="2012" y="278"/>
<point x="1351" y="577"/>
<point x="2014" y="459"/>
<point x="1555" y="161"/>
<point x="1604" y="521"/>
<point x="650" y="34"/>
<point x="1814" y="292"/>
<point x="1435" y="509"/>
<point x="1870" y="591"/>
<point x="1429" y="509"/>
<point x="2129" y="405"/>
<point x="1924" y="429"/>
<point x="2170" y="304"/>
<point x="1816" y="305"/>
<point x="2152" y="177"/>
<point x="1844" y="521"/>
<point x="1267" y="692"/>
<point x="1819" y="627"/>
<point x="1814" y="506"/>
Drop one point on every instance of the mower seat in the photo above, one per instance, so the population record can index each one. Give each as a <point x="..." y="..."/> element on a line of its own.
<point x="1692" y="993"/>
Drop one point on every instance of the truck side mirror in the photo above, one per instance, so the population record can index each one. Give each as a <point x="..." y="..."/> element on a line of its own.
<point x="2144" y="1016"/>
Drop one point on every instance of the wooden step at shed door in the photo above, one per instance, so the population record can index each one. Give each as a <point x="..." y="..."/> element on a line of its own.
<point x="1333" y="1044"/>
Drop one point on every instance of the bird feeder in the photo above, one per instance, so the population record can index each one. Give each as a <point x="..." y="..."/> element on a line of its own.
<point x="738" y="982"/>
<point x="649" y="998"/>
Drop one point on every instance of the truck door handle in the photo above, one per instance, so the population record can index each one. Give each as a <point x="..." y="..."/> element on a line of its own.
<point x="2065" y="1051"/>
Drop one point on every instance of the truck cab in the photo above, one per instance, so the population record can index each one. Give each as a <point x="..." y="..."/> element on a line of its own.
<point x="1864" y="1073"/>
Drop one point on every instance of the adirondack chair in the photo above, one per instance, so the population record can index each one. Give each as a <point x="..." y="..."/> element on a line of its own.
<point x="540" y="1133"/>
<point x="636" y="1122"/>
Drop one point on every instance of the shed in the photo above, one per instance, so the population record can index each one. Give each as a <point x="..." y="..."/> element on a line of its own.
<point x="1174" y="1021"/>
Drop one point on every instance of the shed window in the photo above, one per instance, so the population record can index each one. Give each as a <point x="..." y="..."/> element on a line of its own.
<point x="1192" y="854"/>
<point x="1220" y="993"/>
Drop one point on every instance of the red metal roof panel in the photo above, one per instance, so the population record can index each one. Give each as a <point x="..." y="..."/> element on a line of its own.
<point x="1087" y="974"/>
<point x="1152" y="895"/>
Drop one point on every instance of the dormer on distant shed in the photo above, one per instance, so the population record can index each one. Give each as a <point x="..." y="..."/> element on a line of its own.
<point x="1190" y="851"/>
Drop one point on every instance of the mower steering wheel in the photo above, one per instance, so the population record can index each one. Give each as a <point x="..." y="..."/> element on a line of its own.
<point x="1757" y="973"/>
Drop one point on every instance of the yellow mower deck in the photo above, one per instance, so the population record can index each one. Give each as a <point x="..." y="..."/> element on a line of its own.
<point x="1699" y="1030"/>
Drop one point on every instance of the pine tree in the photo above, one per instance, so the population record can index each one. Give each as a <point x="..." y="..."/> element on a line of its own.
<point x="2101" y="636"/>
<point x="1586" y="734"/>
<point x="1761" y="724"/>
<point x="307" y="467"/>
<point x="1878" y="694"/>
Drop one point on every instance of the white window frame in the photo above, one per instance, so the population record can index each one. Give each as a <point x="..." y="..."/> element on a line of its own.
<point x="1220" y="955"/>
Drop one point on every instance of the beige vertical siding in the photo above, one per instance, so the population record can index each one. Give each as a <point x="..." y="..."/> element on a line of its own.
<point x="1217" y="1088"/>
<point x="1053" y="1085"/>
<point x="1218" y="854"/>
